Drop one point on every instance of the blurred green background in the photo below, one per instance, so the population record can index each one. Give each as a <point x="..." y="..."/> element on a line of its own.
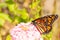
<point x="13" y="12"/>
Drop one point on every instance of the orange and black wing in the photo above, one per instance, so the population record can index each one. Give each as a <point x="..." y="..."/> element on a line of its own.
<point x="44" y="24"/>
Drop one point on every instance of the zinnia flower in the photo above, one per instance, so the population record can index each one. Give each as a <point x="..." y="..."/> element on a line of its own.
<point x="25" y="31"/>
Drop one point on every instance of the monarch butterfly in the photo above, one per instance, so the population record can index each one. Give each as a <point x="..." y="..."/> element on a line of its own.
<point x="44" y="24"/>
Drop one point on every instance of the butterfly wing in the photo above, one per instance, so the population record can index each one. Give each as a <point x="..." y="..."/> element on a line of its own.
<point x="44" y="24"/>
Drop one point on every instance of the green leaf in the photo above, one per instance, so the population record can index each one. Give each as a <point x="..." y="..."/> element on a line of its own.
<point x="8" y="37"/>
<point x="2" y="5"/>
<point x="1" y="22"/>
<point x="9" y="1"/>
<point x="23" y="13"/>
<point x="3" y="18"/>
<point x="11" y="7"/>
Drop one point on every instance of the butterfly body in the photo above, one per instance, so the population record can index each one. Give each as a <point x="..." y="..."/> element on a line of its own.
<point x="44" y="24"/>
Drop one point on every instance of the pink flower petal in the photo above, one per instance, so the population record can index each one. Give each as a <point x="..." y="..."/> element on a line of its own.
<point x="19" y="33"/>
